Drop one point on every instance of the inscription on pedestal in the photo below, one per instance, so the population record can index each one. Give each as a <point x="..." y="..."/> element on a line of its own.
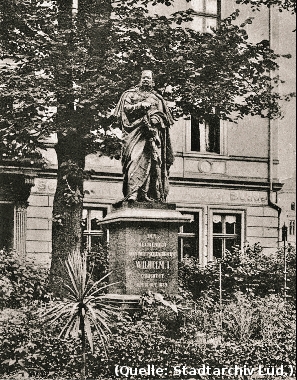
<point x="153" y="261"/>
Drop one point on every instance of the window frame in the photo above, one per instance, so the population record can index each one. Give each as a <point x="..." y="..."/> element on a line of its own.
<point x="88" y="232"/>
<point x="196" y="153"/>
<point x="206" y="15"/>
<point x="292" y="227"/>
<point x="181" y="234"/>
<point x="225" y="212"/>
<point x="204" y="131"/>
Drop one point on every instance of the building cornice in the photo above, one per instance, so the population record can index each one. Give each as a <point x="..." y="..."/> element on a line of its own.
<point x="192" y="155"/>
<point x="243" y="183"/>
<point x="214" y="182"/>
<point x="17" y="170"/>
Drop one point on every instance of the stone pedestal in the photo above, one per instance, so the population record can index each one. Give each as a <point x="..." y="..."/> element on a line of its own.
<point x="143" y="247"/>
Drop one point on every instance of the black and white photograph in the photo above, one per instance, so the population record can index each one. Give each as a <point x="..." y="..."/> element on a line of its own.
<point x="147" y="189"/>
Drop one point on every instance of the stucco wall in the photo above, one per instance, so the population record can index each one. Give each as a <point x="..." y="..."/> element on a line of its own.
<point x="259" y="220"/>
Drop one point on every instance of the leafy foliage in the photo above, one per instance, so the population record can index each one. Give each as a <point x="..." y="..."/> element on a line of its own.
<point x="268" y="339"/>
<point x="63" y="78"/>
<point x="97" y="260"/>
<point x="20" y="283"/>
<point x="62" y="72"/>
<point x="27" y="347"/>
<point x="289" y="5"/>
<point x="250" y="272"/>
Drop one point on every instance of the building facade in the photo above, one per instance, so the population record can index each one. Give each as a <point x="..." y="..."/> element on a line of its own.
<point x="225" y="175"/>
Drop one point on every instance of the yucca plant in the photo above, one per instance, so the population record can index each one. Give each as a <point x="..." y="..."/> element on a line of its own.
<point x="82" y="307"/>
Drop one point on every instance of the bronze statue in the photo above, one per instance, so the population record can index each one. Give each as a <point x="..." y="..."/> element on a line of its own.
<point x="147" y="153"/>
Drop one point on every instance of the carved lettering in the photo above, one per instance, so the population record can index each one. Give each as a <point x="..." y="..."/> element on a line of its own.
<point x="247" y="197"/>
<point x="152" y="275"/>
<point x="153" y="254"/>
<point x="153" y="236"/>
<point x="153" y="285"/>
<point x="152" y="245"/>
<point x="153" y="260"/>
<point x="233" y="196"/>
<point x="151" y="264"/>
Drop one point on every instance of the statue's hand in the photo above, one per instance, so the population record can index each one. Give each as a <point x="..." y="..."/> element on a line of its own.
<point x="146" y="105"/>
<point x="154" y="121"/>
<point x="152" y="132"/>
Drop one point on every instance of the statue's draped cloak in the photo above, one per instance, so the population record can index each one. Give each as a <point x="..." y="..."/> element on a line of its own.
<point x="139" y="150"/>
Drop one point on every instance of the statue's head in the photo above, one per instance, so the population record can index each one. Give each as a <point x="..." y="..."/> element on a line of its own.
<point x="146" y="79"/>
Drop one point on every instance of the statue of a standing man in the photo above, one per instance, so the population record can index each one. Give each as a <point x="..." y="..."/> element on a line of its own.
<point x="147" y="153"/>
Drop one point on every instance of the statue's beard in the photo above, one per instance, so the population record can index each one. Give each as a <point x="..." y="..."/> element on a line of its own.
<point x="145" y="87"/>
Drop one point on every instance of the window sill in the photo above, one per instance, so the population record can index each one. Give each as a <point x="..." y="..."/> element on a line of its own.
<point x="218" y="156"/>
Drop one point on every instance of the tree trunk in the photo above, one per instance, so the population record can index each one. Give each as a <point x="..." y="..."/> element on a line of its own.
<point x="67" y="207"/>
<point x="70" y="149"/>
<point x="68" y="200"/>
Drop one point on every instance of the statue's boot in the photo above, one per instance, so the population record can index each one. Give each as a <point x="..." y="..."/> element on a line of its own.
<point x="143" y="197"/>
<point x="147" y="199"/>
<point x="132" y="197"/>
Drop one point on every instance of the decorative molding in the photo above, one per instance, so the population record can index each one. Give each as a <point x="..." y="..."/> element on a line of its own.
<point x="219" y="157"/>
<point x="20" y="229"/>
<point x="16" y="187"/>
<point x="29" y="180"/>
<point x="247" y="183"/>
<point x="205" y="166"/>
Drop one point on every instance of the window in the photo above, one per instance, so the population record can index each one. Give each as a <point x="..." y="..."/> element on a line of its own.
<point x="293" y="206"/>
<point x="205" y="137"/>
<point x="292" y="227"/>
<point x="207" y="15"/>
<point x="93" y="235"/>
<point x="6" y="225"/>
<point x="226" y="229"/>
<point x="188" y="238"/>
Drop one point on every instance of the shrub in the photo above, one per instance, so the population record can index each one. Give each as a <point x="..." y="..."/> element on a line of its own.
<point x="202" y="341"/>
<point x="26" y="346"/>
<point x="20" y="283"/>
<point x="250" y="272"/>
<point x="82" y="307"/>
<point x="268" y="339"/>
<point x="254" y="325"/>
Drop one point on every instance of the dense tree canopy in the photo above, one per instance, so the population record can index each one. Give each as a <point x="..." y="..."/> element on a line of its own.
<point x="80" y="65"/>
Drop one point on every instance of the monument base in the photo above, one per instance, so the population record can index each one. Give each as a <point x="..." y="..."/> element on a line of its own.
<point x="128" y="303"/>
<point x="143" y="247"/>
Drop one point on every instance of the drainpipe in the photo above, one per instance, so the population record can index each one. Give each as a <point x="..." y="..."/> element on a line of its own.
<point x="270" y="192"/>
<point x="271" y="203"/>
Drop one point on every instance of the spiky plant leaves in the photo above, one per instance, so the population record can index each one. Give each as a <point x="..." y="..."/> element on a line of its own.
<point x="83" y="306"/>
